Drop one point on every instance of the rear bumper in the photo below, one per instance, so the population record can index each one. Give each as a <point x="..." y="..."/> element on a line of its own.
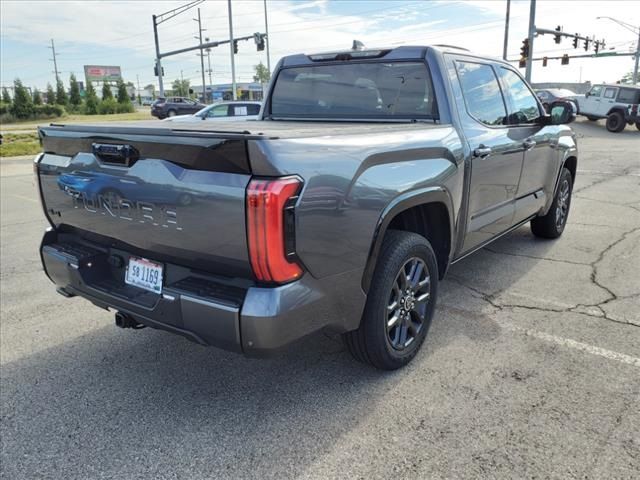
<point x="204" y="308"/>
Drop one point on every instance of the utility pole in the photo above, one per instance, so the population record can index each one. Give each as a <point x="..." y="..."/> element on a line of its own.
<point x="232" y="49"/>
<point x="209" y="65"/>
<point x="55" y="63"/>
<point x="158" y="62"/>
<point x="506" y="30"/>
<point x="138" y="95"/>
<point x="532" y="31"/>
<point x="204" y="85"/>
<point x="266" y="30"/>
<point x="635" y="68"/>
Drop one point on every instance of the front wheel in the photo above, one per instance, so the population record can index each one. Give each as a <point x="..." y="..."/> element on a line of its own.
<point x="552" y="224"/>
<point x="171" y="113"/>
<point x="400" y="303"/>
<point x="615" y="122"/>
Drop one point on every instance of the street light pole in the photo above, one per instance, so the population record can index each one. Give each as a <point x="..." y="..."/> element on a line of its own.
<point x="266" y="30"/>
<point x="158" y="62"/>
<point x="532" y="32"/>
<point x="232" y="48"/>
<point x="506" y="30"/>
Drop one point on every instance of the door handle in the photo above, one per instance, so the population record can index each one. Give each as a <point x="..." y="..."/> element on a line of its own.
<point x="482" y="151"/>
<point x="529" y="144"/>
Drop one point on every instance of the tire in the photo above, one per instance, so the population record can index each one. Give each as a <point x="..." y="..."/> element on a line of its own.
<point x="638" y="125"/>
<point x="615" y="122"/>
<point x="592" y="119"/>
<point x="552" y="224"/>
<point x="406" y="260"/>
<point x="171" y="113"/>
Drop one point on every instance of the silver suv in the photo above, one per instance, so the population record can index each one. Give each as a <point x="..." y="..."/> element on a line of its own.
<point x="617" y="103"/>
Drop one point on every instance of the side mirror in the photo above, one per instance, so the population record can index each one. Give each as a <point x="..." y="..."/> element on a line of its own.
<point x="562" y="112"/>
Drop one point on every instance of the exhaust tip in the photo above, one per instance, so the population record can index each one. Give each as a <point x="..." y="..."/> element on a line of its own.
<point x="126" y="321"/>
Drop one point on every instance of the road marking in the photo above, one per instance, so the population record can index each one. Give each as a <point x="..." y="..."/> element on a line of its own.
<point x="567" y="342"/>
<point x="617" y="174"/>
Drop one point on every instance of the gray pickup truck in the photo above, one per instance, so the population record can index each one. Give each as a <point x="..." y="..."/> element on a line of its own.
<point x="368" y="174"/>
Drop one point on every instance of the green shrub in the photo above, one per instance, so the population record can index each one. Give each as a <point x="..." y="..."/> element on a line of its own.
<point x="91" y="101"/>
<point x="4" y="108"/>
<point x="22" y="106"/>
<point x="108" y="106"/>
<point x="125" y="108"/>
<point x="48" y="111"/>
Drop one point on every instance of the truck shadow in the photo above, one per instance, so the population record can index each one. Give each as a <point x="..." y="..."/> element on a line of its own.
<point x="146" y="404"/>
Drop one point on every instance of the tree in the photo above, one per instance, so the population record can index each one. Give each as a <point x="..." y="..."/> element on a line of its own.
<point x="74" y="92"/>
<point x="51" y="95"/>
<point x="180" y="87"/>
<point x="627" y="78"/>
<point x="37" y="98"/>
<point x="91" y="100"/>
<point x="122" y="95"/>
<point x="61" y="94"/>
<point x="6" y="98"/>
<point x="106" y="91"/>
<point x="262" y="73"/>
<point x="22" y="106"/>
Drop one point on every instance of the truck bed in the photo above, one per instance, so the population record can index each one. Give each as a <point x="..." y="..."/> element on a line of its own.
<point x="271" y="129"/>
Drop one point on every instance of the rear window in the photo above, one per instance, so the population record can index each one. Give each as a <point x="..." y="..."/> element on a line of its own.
<point x="400" y="90"/>
<point x="629" y="95"/>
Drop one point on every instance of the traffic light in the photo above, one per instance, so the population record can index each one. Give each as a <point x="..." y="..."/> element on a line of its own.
<point x="524" y="49"/>
<point x="587" y="41"/>
<point x="544" y="61"/>
<point x="558" y="38"/>
<point x="565" y="59"/>
<point x="155" y="70"/>
<point x="575" y="40"/>
<point x="522" y="63"/>
<point x="259" y="39"/>
<point x="235" y="47"/>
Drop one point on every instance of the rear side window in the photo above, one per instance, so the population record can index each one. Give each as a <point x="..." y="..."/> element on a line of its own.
<point x="523" y="106"/>
<point x="400" y="90"/>
<point x="629" y="95"/>
<point x="610" y="92"/>
<point x="481" y="92"/>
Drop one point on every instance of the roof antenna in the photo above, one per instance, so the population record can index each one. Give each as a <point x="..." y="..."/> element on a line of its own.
<point x="357" y="45"/>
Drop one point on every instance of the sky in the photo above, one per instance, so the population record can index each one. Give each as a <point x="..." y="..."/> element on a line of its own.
<point x="93" y="32"/>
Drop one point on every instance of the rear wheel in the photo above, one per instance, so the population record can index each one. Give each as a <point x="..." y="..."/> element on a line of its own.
<point x="171" y="113"/>
<point x="615" y="122"/>
<point x="400" y="303"/>
<point x="552" y="224"/>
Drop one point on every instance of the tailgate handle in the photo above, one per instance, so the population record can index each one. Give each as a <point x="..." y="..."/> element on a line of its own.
<point x="114" y="154"/>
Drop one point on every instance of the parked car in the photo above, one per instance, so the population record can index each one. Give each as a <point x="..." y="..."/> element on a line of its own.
<point x="367" y="176"/>
<point x="223" y="111"/>
<point x="172" y="106"/>
<point x="617" y="103"/>
<point x="550" y="95"/>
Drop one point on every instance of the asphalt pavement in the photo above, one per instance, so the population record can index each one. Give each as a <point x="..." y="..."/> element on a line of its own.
<point x="531" y="368"/>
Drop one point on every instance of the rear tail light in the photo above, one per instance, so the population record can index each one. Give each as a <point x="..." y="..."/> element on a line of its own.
<point x="271" y="228"/>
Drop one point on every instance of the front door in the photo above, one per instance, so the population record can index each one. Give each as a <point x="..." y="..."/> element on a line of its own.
<point x="497" y="154"/>
<point x="590" y="105"/>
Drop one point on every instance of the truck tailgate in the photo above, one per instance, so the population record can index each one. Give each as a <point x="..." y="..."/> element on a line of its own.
<point x="178" y="196"/>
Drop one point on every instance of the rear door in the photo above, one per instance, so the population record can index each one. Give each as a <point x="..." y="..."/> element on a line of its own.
<point x="608" y="100"/>
<point x="496" y="156"/>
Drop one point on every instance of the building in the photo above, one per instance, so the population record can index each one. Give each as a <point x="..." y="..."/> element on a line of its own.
<point x="223" y="91"/>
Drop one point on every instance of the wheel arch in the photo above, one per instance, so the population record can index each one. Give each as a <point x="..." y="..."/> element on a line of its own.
<point x="427" y="212"/>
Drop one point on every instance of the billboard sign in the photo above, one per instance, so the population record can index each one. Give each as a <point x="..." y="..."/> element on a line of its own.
<point x="102" y="73"/>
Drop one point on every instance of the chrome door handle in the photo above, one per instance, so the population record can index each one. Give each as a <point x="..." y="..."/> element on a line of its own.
<point x="529" y="144"/>
<point x="482" y="151"/>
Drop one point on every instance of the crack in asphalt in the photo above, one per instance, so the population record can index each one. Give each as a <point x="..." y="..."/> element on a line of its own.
<point x="491" y="298"/>
<point x="535" y="257"/>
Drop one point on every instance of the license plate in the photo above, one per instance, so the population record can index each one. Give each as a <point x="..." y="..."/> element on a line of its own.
<point x="144" y="274"/>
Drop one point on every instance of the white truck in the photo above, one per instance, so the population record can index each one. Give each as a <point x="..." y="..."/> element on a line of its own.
<point x="617" y="103"/>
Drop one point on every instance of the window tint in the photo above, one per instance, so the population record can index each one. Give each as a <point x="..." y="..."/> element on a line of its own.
<point x="482" y="93"/>
<point x="355" y="90"/>
<point x="524" y="106"/>
<point x="218" y="111"/>
<point x="253" y="109"/>
<point x="610" y="92"/>
<point x="629" y="95"/>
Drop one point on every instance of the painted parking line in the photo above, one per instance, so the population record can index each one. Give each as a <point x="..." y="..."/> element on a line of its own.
<point x="567" y="342"/>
